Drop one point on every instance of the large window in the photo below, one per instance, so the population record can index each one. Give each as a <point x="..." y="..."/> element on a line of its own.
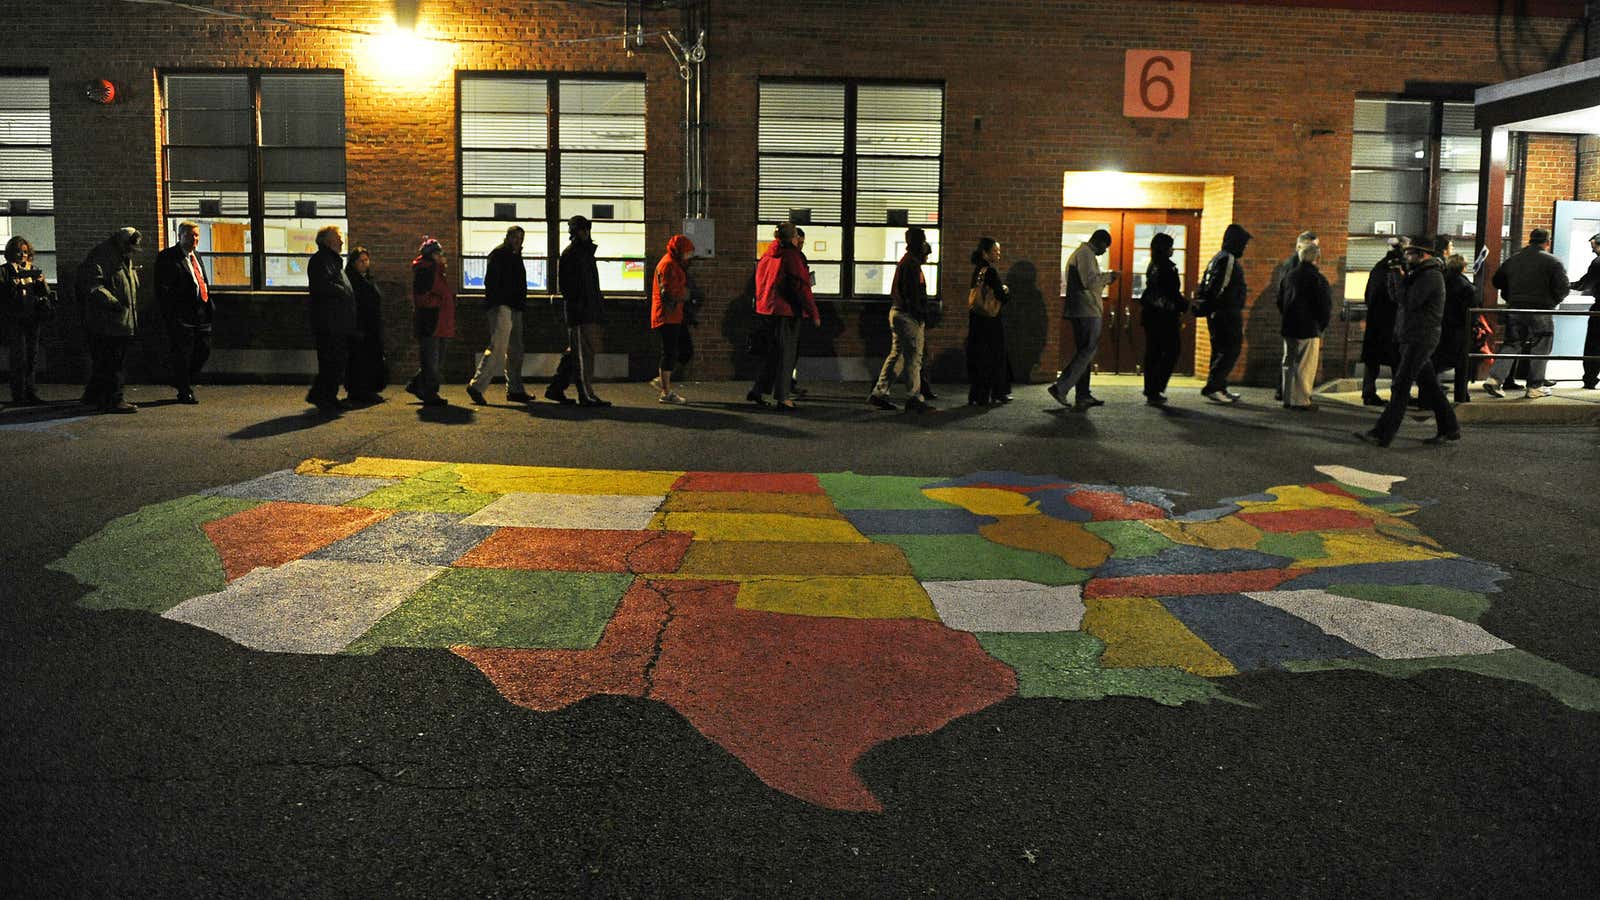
<point x="1413" y="170"/>
<point x="854" y="164"/>
<point x="27" y="191"/>
<point x="257" y="159"/>
<point x="537" y="150"/>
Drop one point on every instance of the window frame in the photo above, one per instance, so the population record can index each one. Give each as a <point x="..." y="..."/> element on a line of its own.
<point x="255" y="183"/>
<point x="50" y="213"/>
<point x="850" y="185"/>
<point x="552" y="219"/>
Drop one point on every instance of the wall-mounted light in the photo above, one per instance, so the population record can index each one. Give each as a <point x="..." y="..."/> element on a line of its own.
<point x="402" y="58"/>
<point x="100" y="90"/>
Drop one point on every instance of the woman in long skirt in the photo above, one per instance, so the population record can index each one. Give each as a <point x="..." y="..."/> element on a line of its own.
<point x="988" y="367"/>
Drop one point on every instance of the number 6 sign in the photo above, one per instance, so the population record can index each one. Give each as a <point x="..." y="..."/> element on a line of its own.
<point x="1155" y="84"/>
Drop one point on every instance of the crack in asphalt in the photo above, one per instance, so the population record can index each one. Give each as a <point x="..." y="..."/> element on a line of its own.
<point x="661" y="636"/>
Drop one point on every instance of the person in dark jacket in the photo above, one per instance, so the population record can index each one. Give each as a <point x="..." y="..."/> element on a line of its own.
<point x="1307" y="304"/>
<point x="783" y="294"/>
<point x="367" y="373"/>
<point x="433" y="319"/>
<point x="185" y="300"/>
<point x="505" y="296"/>
<point x="1417" y="328"/>
<point x="26" y="301"/>
<point x="1531" y="279"/>
<point x="1222" y="298"/>
<point x="908" y="313"/>
<point x="1162" y="307"/>
<point x="1382" y="300"/>
<point x="1280" y="275"/>
<point x="108" y="290"/>
<point x="333" y="319"/>
<point x="581" y="308"/>
<point x="1459" y="296"/>
<point x="988" y="366"/>
<point x="1590" y="282"/>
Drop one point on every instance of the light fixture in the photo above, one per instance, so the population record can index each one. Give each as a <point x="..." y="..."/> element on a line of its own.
<point x="400" y="57"/>
<point x="100" y="90"/>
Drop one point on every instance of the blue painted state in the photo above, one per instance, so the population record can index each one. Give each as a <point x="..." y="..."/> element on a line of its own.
<point x="287" y="487"/>
<point x="1186" y="560"/>
<point x="916" y="521"/>
<point x="425" y="538"/>
<point x="1254" y="635"/>
<point x="1208" y="515"/>
<point x="1466" y="574"/>
<point x="1054" y="504"/>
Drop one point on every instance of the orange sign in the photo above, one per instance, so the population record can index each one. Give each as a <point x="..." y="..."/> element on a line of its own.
<point x="1155" y="84"/>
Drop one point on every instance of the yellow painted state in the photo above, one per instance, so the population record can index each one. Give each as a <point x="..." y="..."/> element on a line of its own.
<point x="1139" y="632"/>
<point x="368" y="467"/>
<point x="815" y="505"/>
<point x="1350" y="548"/>
<point x="754" y="558"/>
<point x="716" y="526"/>
<point x="497" y="479"/>
<point x="984" y="501"/>
<point x="838" y="596"/>
<point x="1227" y="533"/>
<point x="1292" y="497"/>
<point x="1070" y="541"/>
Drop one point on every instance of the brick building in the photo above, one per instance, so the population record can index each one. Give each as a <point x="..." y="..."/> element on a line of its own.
<point x="1351" y="118"/>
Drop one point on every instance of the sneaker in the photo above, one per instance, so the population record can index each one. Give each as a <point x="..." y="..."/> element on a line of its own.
<point x="1216" y="396"/>
<point x="476" y="395"/>
<point x="1232" y="397"/>
<point x="1536" y="393"/>
<point x="656" y="382"/>
<point x="880" y="401"/>
<point x="671" y="397"/>
<point x="1492" y="388"/>
<point x="1055" y="394"/>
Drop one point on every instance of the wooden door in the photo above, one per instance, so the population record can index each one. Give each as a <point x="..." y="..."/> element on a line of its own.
<point x="1122" y="333"/>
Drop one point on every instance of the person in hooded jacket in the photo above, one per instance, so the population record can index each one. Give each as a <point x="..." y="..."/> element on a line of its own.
<point x="1163" y="306"/>
<point x="783" y="293"/>
<point x="433" y="300"/>
<point x="908" y="315"/>
<point x="505" y="297"/>
<point x="107" y="286"/>
<point x="1383" y="294"/>
<point x="333" y="319"/>
<point x="579" y="278"/>
<point x="1222" y="299"/>
<point x="1417" y="327"/>
<point x="669" y="293"/>
<point x="367" y="373"/>
<point x="1307" y="304"/>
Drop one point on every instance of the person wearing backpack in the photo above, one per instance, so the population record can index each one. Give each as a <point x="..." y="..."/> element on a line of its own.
<point x="1222" y="297"/>
<point x="908" y="314"/>
<point x="1085" y="283"/>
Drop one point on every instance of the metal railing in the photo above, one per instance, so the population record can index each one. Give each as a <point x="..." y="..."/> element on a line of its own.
<point x="1464" y="369"/>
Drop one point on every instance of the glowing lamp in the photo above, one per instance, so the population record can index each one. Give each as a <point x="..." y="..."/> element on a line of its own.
<point x="101" y="91"/>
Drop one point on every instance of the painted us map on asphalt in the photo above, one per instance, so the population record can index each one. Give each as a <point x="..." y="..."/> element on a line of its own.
<point x="798" y="620"/>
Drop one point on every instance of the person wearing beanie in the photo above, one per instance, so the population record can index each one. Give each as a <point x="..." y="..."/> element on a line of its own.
<point x="1417" y="333"/>
<point x="505" y="295"/>
<point x="108" y="290"/>
<point x="1162" y="307"/>
<point x="1530" y="279"/>
<point x="578" y="279"/>
<point x="1222" y="296"/>
<point x="433" y="301"/>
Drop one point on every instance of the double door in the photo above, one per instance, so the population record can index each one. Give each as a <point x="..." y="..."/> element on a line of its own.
<point x="1122" y="334"/>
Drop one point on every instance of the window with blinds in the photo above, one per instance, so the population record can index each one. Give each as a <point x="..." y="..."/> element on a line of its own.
<point x="537" y="150"/>
<point x="27" y="186"/>
<point x="854" y="164"/>
<point x="258" y="161"/>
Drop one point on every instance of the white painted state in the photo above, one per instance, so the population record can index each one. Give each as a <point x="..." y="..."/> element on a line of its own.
<point x="1382" y="629"/>
<point x="1007" y="605"/>
<point x="606" y="512"/>
<point x="305" y="606"/>
<point x="1370" y="481"/>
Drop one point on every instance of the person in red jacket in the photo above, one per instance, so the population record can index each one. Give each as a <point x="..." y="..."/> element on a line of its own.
<point x="783" y="292"/>
<point x="433" y="299"/>
<point x="669" y="291"/>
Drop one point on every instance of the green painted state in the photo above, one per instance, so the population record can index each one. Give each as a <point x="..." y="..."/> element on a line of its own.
<point x="969" y="557"/>
<point x="851" y="491"/>
<point x="502" y="608"/>
<point x="1129" y="539"/>
<point x="152" y="559"/>
<point x="1066" y="664"/>
<point x="436" y="490"/>
<point x="1398" y="507"/>
<point x="1579" y="691"/>
<point x="1305" y="545"/>
<point x="1446" y="601"/>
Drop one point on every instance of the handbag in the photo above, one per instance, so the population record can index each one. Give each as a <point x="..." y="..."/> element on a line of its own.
<point x="980" y="301"/>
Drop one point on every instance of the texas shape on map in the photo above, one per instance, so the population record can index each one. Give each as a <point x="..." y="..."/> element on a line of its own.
<point x="798" y="620"/>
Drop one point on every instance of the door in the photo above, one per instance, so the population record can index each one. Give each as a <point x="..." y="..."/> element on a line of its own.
<point x="1122" y="335"/>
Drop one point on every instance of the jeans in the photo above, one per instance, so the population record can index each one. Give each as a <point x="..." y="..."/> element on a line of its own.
<point x="1532" y="369"/>
<point x="430" y="350"/>
<point x="1227" y="340"/>
<point x="191" y="347"/>
<point x="905" y="350"/>
<point x="1299" y="371"/>
<point x="1086" y="343"/>
<point x="1415" y="366"/>
<point x="503" y="356"/>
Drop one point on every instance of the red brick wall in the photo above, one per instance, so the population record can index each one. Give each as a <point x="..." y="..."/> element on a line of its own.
<point x="1046" y="77"/>
<point x="1589" y="166"/>
<point x="1551" y="175"/>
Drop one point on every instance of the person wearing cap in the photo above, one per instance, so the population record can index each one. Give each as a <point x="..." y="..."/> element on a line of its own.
<point x="1383" y="294"/>
<point x="1531" y="279"/>
<point x="505" y="296"/>
<point x="1306" y="302"/>
<point x="1281" y="275"/>
<point x="578" y="278"/>
<point x="1085" y="283"/>
<point x="433" y="301"/>
<point x="1590" y="283"/>
<point x="334" y="321"/>
<point x="108" y="289"/>
<point x="669" y="292"/>
<point x="908" y="319"/>
<point x="1222" y="296"/>
<point x="1417" y="334"/>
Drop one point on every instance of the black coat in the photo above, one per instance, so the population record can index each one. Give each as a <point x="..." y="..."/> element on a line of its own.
<point x="1383" y="303"/>
<point x="1307" y="302"/>
<point x="579" y="279"/>
<point x="505" y="282"/>
<point x="1422" y="310"/>
<point x="333" y="300"/>
<point x="1163" y="298"/>
<point x="178" y="293"/>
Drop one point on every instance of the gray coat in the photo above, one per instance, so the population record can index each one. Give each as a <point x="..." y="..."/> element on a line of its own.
<point x="108" y="287"/>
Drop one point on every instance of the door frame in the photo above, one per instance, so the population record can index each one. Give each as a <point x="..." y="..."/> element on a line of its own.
<point x="1122" y="335"/>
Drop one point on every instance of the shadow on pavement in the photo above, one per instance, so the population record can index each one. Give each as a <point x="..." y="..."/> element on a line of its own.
<point x="281" y="425"/>
<point x="694" y="417"/>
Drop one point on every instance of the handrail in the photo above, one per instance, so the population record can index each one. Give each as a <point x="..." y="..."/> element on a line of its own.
<point x="1468" y="355"/>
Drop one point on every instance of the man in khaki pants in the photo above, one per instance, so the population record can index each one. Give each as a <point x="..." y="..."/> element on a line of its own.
<point x="1307" y="304"/>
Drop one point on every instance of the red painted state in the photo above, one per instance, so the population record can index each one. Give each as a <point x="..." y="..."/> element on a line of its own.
<point x="580" y="550"/>
<point x="1328" y="487"/>
<point x="1106" y="506"/>
<point x="1297" y="520"/>
<point x="749" y="482"/>
<point x="1185" y="585"/>
<point x="275" y="533"/>
<point x="798" y="699"/>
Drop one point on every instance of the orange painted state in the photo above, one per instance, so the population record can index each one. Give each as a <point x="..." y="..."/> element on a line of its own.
<point x="580" y="550"/>
<point x="1187" y="585"/>
<point x="275" y="533"/>
<point x="1288" y="521"/>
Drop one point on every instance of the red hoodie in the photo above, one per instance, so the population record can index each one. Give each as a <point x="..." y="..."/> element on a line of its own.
<point x="434" y="292"/>
<point x="783" y="263"/>
<point x="670" y="288"/>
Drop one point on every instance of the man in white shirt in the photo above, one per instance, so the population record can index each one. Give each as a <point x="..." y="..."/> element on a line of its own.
<point x="1085" y="283"/>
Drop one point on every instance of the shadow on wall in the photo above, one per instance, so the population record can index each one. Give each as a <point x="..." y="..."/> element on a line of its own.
<point x="1263" y="328"/>
<point x="1027" y="320"/>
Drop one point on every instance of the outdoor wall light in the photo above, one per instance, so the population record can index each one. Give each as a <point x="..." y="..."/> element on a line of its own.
<point x="100" y="90"/>
<point x="402" y="59"/>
